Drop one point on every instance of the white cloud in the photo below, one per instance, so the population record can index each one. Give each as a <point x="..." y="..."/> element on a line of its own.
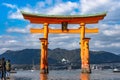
<point x="12" y="41"/>
<point x="63" y="8"/>
<point x="100" y="44"/>
<point x="94" y="5"/>
<point x="51" y="2"/>
<point x="42" y="4"/>
<point x="8" y="43"/>
<point x="9" y="5"/>
<point x="115" y="44"/>
<point x="17" y="30"/>
<point x="112" y="30"/>
<point x="24" y="30"/>
<point x="40" y="7"/>
<point x="2" y="50"/>
<point x="19" y="43"/>
<point x="15" y="15"/>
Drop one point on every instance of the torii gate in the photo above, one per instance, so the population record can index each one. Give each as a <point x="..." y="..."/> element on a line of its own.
<point x="64" y="20"/>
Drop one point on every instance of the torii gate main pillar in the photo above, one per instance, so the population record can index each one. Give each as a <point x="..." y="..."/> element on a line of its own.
<point x="44" y="51"/>
<point x="85" y="66"/>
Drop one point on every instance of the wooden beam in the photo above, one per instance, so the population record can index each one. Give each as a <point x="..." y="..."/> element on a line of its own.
<point x="70" y="31"/>
<point x="58" y="19"/>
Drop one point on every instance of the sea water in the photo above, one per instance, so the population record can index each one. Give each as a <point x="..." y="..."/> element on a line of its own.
<point x="66" y="75"/>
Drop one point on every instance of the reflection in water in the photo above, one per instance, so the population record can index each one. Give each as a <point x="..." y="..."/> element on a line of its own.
<point x="43" y="77"/>
<point x="84" y="76"/>
<point x="66" y="75"/>
<point x="23" y="78"/>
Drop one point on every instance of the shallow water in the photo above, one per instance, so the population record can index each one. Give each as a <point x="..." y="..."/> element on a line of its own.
<point x="66" y="75"/>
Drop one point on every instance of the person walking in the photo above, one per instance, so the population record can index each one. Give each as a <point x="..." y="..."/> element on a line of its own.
<point x="3" y="62"/>
<point x="1" y="68"/>
<point x="8" y="68"/>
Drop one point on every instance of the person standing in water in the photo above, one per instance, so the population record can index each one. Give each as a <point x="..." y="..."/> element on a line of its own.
<point x="1" y="68"/>
<point x="8" y="68"/>
<point x="3" y="62"/>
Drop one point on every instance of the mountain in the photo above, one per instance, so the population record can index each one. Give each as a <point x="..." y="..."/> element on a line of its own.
<point x="55" y="56"/>
<point x="103" y="57"/>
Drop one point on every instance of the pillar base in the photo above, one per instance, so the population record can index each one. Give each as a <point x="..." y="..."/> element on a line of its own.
<point x="84" y="70"/>
<point x="44" y="71"/>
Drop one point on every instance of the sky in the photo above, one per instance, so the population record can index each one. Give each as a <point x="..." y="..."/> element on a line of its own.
<point x="15" y="30"/>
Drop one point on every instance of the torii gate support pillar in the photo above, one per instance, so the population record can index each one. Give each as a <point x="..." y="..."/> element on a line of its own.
<point x="85" y="57"/>
<point x="44" y="60"/>
<point x="44" y="50"/>
<point x="85" y="65"/>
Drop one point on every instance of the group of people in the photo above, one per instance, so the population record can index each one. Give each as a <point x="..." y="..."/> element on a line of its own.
<point x="5" y="68"/>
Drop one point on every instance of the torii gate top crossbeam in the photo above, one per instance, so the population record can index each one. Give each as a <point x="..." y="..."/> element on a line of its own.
<point x="58" y="19"/>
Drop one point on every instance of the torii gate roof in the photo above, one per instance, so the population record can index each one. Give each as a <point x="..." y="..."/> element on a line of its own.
<point x="58" y="19"/>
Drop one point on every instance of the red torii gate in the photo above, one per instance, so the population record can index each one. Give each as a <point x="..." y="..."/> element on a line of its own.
<point x="64" y="20"/>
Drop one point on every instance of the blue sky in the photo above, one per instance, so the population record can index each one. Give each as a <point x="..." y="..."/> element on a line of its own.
<point x="15" y="35"/>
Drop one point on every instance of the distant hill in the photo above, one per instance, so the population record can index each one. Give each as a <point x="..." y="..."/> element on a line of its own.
<point x="27" y="56"/>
